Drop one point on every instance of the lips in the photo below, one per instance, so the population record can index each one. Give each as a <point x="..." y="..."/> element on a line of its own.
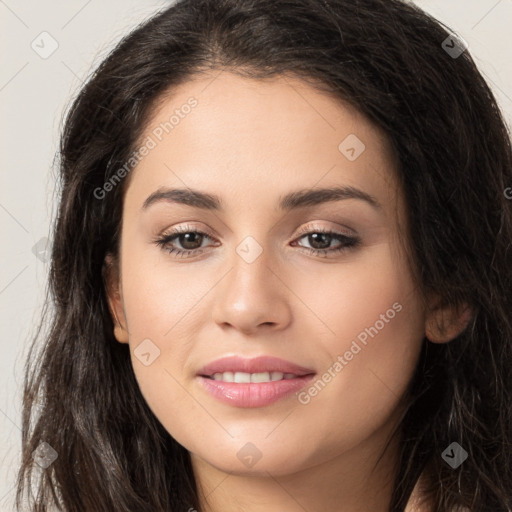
<point x="255" y="382"/>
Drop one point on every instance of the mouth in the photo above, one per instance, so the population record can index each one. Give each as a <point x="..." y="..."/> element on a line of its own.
<point x="256" y="382"/>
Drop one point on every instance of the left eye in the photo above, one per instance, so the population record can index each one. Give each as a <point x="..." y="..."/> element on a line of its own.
<point x="191" y="241"/>
<point x="324" y="238"/>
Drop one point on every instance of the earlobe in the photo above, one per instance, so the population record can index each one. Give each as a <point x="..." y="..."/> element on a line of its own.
<point x="120" y="332"/>
<point x="114" y="297"/>
<point x="444" y="324"/>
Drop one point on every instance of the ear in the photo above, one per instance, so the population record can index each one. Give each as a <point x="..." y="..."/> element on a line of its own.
<point x="443" y="324"/>
<point x="112" y="281"/>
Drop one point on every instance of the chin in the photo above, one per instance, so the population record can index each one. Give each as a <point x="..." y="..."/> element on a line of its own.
<point x="253" y="459"/>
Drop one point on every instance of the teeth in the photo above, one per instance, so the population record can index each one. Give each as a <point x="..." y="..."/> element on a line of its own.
<point x="244" y="378"/>
<point x="260" y="377"/>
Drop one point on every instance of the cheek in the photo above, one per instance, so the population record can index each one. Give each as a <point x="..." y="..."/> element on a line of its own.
<point x="370" y="296"/>
<point x="170" y="304"/>
<point x="161" y="308"/>
<point x="378" y="322"/>
<point x="161" y="297"/>
<point x="359" y="392"/>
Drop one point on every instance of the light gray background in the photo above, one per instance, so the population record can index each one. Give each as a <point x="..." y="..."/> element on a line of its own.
<point x="34" y="93"/>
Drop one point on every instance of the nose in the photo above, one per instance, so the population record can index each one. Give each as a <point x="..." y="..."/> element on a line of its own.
<point x="252" y="297"/>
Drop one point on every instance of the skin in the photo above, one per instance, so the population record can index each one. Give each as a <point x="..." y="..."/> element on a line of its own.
<point x="251" y="142"/>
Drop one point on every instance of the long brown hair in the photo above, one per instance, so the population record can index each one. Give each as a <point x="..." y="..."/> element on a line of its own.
<point x="454" y="160"/>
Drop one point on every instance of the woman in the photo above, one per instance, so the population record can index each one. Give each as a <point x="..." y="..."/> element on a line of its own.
<point x="281" y="271"/>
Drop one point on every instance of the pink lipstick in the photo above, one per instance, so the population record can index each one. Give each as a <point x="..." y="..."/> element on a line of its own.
<point x="254" y="382"/>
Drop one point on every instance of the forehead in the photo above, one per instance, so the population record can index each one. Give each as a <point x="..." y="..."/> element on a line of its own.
<point x="227" y="134"/>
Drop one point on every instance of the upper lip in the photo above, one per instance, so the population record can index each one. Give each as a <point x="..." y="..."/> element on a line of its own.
<point x="254" y="365"/>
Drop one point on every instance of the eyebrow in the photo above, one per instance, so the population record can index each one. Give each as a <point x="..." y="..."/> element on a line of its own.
<point x="291" y="201"/>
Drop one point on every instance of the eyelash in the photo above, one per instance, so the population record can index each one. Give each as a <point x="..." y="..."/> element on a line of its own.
<point x="348" y="242"/>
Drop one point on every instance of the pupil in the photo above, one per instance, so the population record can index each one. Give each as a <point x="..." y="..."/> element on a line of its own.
<point x="187" y="240"/>
<point x="322" y="236"/>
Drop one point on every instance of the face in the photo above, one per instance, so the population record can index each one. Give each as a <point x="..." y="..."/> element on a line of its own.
<point x="304" y="298"/>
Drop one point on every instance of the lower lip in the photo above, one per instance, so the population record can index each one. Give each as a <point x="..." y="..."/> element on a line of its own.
<point x="253" y="394"/>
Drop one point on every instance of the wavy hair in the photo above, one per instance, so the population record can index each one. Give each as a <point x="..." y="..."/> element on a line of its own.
<point x="454" y="162"/>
